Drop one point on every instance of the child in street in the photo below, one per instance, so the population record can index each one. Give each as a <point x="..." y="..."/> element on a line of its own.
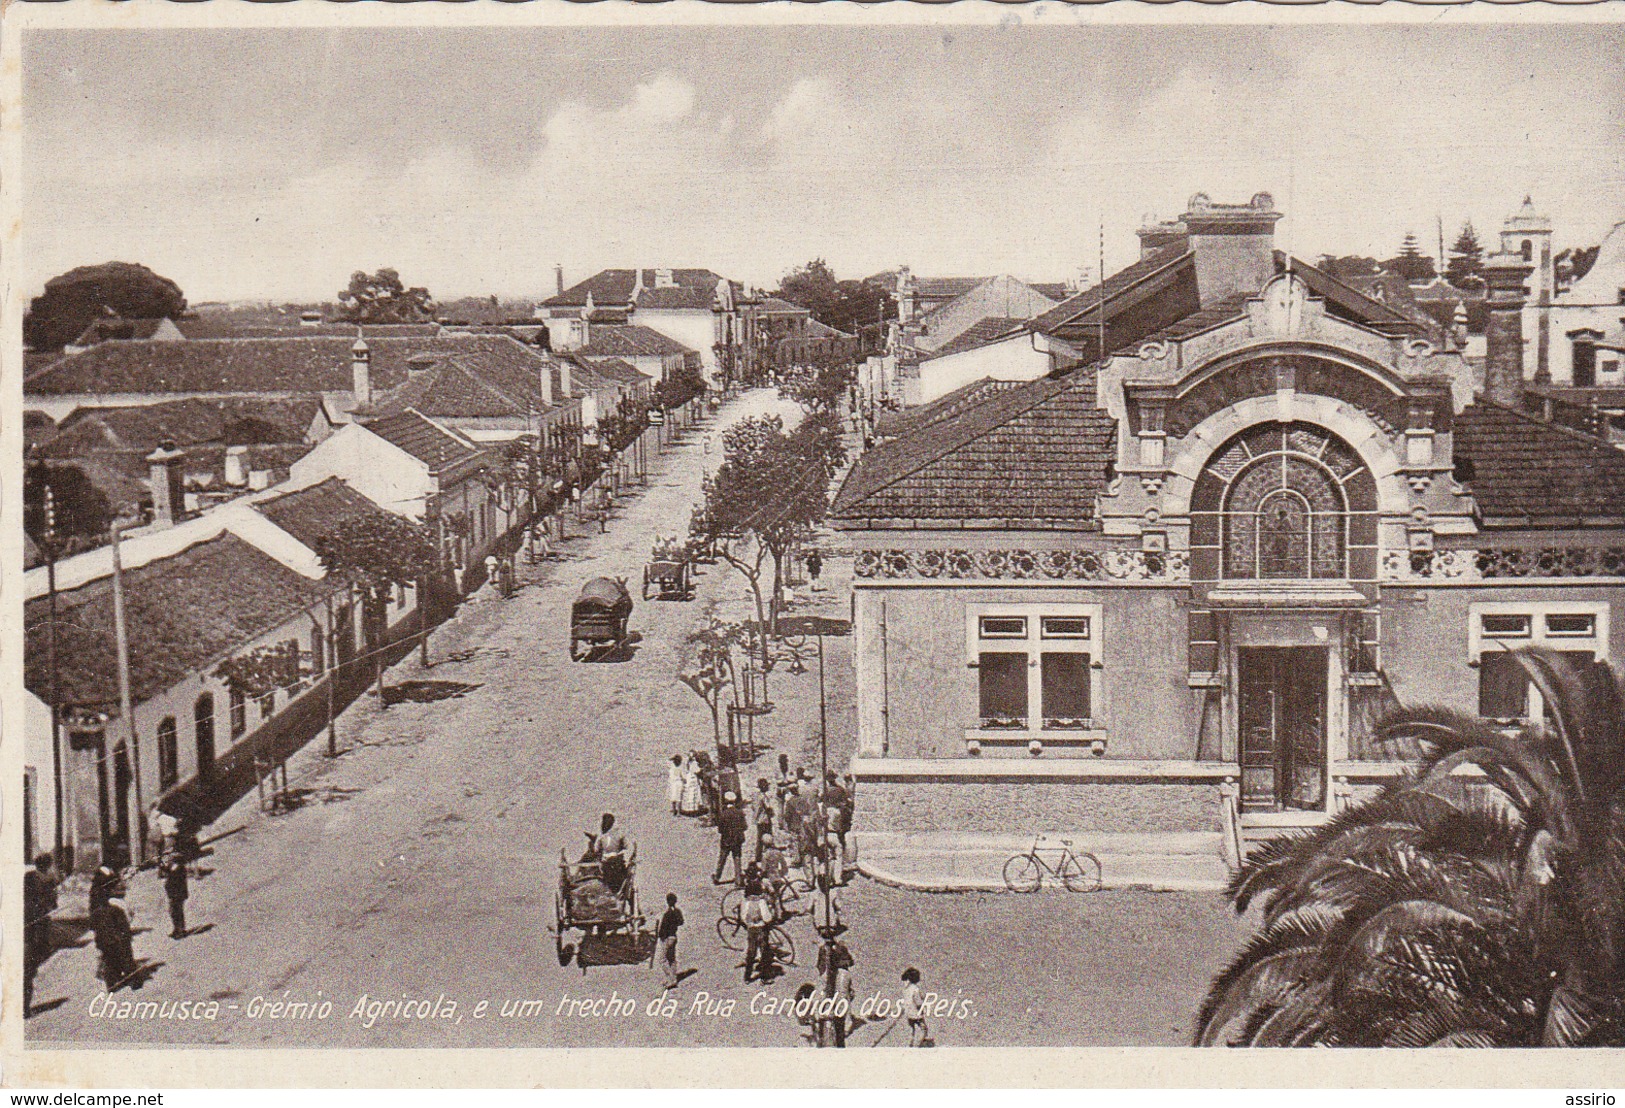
<point x="914" y="1009"/>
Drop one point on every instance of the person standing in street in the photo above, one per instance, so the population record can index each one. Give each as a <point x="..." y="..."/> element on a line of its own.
<point x="835" y="967"/>
<point x="757" y="916"/>
<point x="114" y="939"/>
<point x="39" y="901"/>
<point x="674" y="784"/>
<point x="914" y="1009"/>
<point x="815" y="566"/>
<point x="666" y="934"/>
<point x="761" y="814"/>
<point x="105" y="884"/>
<point x="731" y="829"/>
<point x="175" y="889"/>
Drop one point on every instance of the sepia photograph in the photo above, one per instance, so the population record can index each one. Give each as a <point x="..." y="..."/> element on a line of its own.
<point x="946" y="528"/>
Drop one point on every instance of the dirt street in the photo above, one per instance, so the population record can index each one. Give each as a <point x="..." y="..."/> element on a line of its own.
<point x="422" y="868"/>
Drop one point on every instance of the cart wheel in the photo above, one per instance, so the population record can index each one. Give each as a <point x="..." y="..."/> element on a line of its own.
<point x="574" y="657"/>
<point x="646" y="585"/>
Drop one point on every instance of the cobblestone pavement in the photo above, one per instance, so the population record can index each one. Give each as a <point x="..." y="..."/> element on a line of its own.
<point x="423" y="866"/>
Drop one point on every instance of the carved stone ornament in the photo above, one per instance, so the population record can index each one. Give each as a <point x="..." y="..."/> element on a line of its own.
<point x="1023" y="565"/>
<point x="1492" y="564"/>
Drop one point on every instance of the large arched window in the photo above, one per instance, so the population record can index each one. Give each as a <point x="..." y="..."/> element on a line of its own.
<point x="1284" y="502"/>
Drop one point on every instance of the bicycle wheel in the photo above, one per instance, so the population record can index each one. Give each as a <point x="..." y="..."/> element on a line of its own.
<point x="1080" y="873"/>
<point x="789" y="903"/>
<point x="733" y="904"/>
<point x="731" y="930"/>
<point x="1022" y="875"/>
<point x="784" y="947"/>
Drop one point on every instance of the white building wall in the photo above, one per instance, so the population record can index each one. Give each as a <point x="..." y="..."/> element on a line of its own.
<point x="695" y="330"/>
<point x="375" y="468"/>
<point x="1013" y="359"/>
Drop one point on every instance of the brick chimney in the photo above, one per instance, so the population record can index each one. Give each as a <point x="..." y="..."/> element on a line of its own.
<point x="1234" y="246"/>
<point x="166" y="468"/>
<point x="558" y="279"/>
<point x="1504" y="295"/>
<point x="361" y="372"/>
<point x="544" y="378"/>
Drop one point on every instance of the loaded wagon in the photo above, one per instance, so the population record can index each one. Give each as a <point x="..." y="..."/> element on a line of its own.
<point x="598" y="616"/>
<point x="613" y="930"/>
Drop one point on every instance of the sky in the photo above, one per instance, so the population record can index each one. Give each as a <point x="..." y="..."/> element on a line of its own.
<point x="249" y="164"/>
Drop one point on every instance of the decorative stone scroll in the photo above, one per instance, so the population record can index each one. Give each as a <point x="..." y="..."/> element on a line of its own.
<point x="1500" y="564"/>
<point x="1024" y="565"/>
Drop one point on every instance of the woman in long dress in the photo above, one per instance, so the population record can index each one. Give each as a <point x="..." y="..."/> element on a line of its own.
<point x="674" y="784"/>
<point x="692" y="801"/>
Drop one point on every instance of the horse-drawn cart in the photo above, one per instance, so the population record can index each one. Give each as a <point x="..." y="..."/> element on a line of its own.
<point x="669" y="579"/>
<point x="599" y="615"/>
<point x="613" y="930"/>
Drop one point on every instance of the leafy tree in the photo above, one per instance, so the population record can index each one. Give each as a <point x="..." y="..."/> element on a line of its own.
<point x="1343" y="268"/>
<point x="1410" y="263"/>
<point x="819" y="388"/>
<point x="679" y="388"/>
<point x="769" y="490"/>
<point x="849" y="306"/>
<point x="263" y="669"/>
<point x="80" y="512"/>
<point x="380" y="551"/>
<point x="813" y="286"/>
<point x="73" y="300"/>
<point x="1575" y="262"/>
<point x="1449" y="911"/>
<point x="710" y="672"/>
<point x="382" y="298"/>
<point x="1466" y="259"/>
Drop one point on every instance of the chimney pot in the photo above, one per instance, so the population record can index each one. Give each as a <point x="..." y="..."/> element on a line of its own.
<point x="361" y="372"/>
<point x="166" y="472"/>
<point x="236" y="474"/>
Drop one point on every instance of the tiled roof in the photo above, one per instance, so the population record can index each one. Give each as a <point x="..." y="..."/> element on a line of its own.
<point x="182" y="614"/>
<point x="1198" y="321"/>
<point x="614" y="286"/>
<point x="817" y="329"/>
<point x="774" y="306"/>
<point x="629" y="341"/>
<point x="1035" y="455"/>
<point x="106" y="330"/>
<point x="1526" y="469"/>
<point x="906" y="421"/>
<point x="451" y="390"/>
<point x="1055" y="290"/>
<point x="228" y="420"/>
<point x="980" y="333"/>
<point x="1345" y="300"/>
<point x="1084" y="305"/>
<point x="620" y="372"/>
<point x="690" y="298"/>
<point x="946" y="288"/>
<point x="310" y="513"/>
<point x="422" y="438"/>
<point x="226" y="328"/>
<point x="290" y="364"/>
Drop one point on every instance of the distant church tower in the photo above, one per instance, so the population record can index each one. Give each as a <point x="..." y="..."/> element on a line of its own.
<point x="1529" y="235"/>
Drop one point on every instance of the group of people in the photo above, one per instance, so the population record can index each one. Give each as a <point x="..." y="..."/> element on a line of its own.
<point x="790" y="814"/>
<point x="109" y="915"/>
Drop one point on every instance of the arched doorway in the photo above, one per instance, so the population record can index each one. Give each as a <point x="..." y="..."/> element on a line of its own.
<point x="1284" y="501"/>
<point x="1285" y="514"/>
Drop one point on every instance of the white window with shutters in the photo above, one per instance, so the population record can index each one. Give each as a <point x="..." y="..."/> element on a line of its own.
<point x="1505" y="693"/>
<point x="1037" y="669"/>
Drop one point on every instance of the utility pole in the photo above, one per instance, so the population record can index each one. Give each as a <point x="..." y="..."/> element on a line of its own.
<point x="121" y="632"/>
<point x="823" y="769"/>
<point x="49" y="535"/>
